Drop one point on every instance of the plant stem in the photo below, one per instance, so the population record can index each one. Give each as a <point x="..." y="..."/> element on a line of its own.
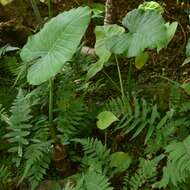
<point x="129" y="80"/>
<point x="105" y="137"/>
<point x="120" y="79"/>
<point x="114" y="83"/>
<point x="51" y="89"/>
<point x="51" y="100"/>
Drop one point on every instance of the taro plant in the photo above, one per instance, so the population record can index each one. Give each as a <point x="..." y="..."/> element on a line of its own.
<point x="146" y="30"/>
<point x="53" y="46"/>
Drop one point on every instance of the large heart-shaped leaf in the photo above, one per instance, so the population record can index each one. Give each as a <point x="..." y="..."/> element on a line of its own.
<point x="105" y="119"/>
<point x="147" y="28"/>
<point x="171" y="29"/>
<point x="170" y="32"/>
<point x="103" y="34"/>
<point x="55" y="44"/>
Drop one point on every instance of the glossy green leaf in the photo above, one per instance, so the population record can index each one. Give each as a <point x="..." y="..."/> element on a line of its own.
<point x="141" y="60"/>
<point x="121" y="161"/>
<point x="103" y="34"/>
<point x="105" y="119"/>
<point x="95" y="68"/>
<point x="147" y="28"/>
<point x="55" y="44"/>
<point x="171" y="29"/>
<point x="119" y="44"/>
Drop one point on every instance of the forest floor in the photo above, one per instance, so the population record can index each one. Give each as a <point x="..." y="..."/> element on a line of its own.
<point x="17" y="22"/>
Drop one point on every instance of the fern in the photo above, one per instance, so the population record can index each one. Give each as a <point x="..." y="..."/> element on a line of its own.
<point x="96" y="155"/>
<point x="91" y="180"/>
<point x="119" y="106"/>
<point x="37" y="158"/>
<point x="165" y="134"/>
<point x="147" y="173"/>
<point x="72" y="117"/>
<point x="138" y="117"/>
<point x="96" y="181"/>
<point x="178" y="166"/>
<point x="40" y="130"/>
<point x="18" y="123"/>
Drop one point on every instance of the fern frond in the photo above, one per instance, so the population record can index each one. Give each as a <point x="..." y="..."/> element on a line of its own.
<point x="96" y="181"/>
<point x="138" y="117"/>
<point x="18" y="123"/>
<point x="165" y="133"/>
<point x="178" y="166"/>
<point x="119" y="106"/>
<point x="96" y="155"/>
<point x="185" y="107"/>
<point x="147" y="173"/>
<point x="93" y="148"/>
<point x="91" y="180"/>
<point x="72" y="118"/>
<point x="38" y="171"/>
<point x="40" y="130"/>
<point x="37" y="158"/>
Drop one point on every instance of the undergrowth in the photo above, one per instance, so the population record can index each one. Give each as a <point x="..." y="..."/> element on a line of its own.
<point x="78" y="121"/>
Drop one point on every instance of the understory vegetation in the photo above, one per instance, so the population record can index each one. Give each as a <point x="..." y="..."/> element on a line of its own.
<point x="80" y="115"/>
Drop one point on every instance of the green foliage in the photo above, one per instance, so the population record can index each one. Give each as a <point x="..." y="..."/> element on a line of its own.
<point x="98" y="10"/>
<point x="151" y="6"/>
<point x="103" y="33"/>
<point x="119" y="106"/>
<point x="55" y="44"/>
<point x="138" y="117"/>
<point x="37" y="164"/>
<point x="147" y="29"/>
<point x="105" y="119"/>
<point x="95" y="154"/>
<point x="147" y="172"/>
<point x="89" y="158"/>
<point x="141" y="59"/>
<point x="72" y="118"/>
<point x="30" y="143"/>
<point x="186" y="87"/>
<point x="18" y="123"/>
<point x="177" y="169"/>
<point x="91" y="180"/>
<point x="120" y="161"/>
